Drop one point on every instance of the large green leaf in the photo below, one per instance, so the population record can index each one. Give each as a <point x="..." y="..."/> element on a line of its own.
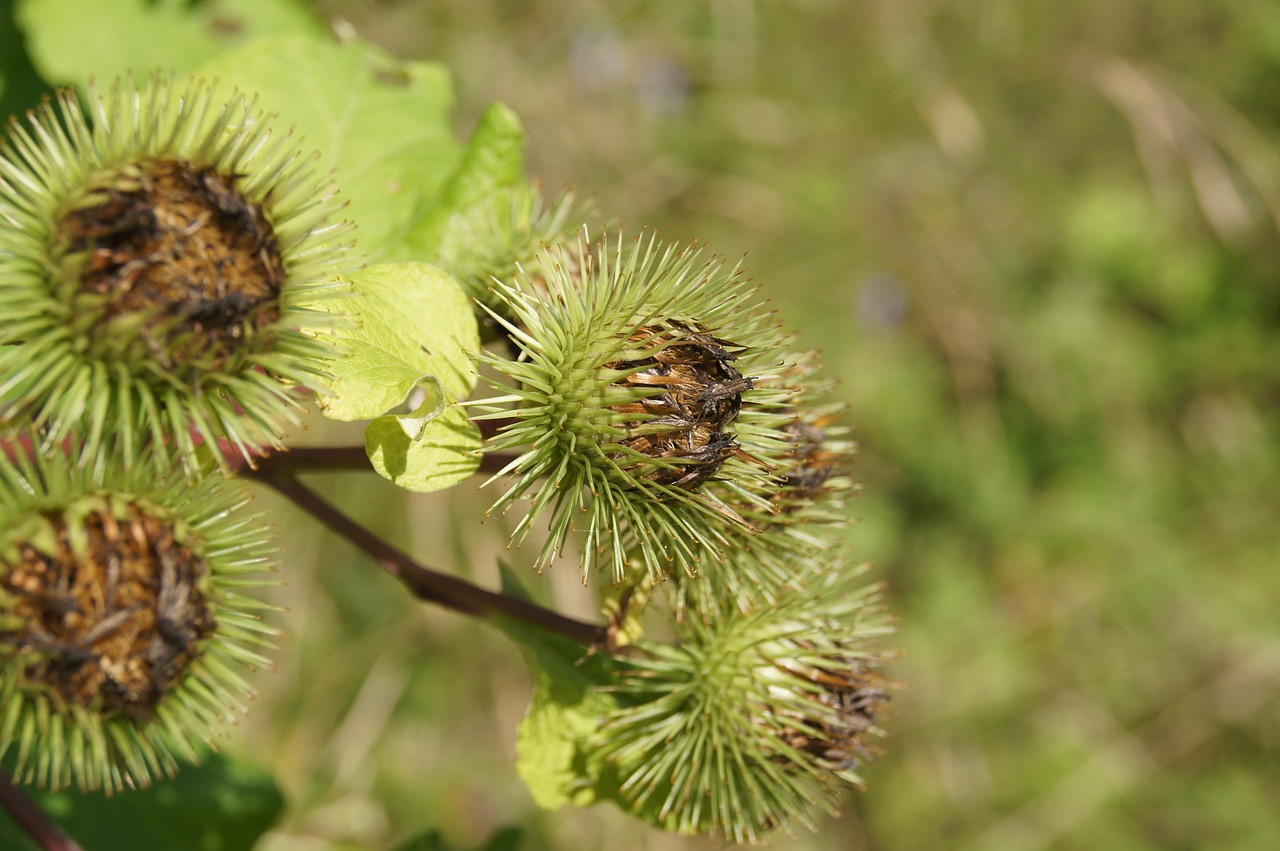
<point x="20" y="85"/>
<point x="380" y="124"/>
<point x="383" y="126"/>
<point x="73" y="40"/>
<point x="224" y="804"/>
<point x="491" y="163"/>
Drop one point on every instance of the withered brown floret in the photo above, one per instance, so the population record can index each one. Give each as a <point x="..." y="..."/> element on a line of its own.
<point x="686" y="424"/>
<point x="855" y="694"/>
<point x="182" y="242"/>
<point x="814" y="466"/>
<point x="116" y="627"/>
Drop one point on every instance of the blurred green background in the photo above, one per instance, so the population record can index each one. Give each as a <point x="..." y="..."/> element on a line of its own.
<point x="1038" y="245"/>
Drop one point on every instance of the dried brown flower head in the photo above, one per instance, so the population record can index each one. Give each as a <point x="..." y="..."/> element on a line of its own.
<point x="855" y="693"/>
<point x="685" y="425"/>
<point x="111" y="624"/>
<point x="180" y="246"/>
<point x="125" y="614"/>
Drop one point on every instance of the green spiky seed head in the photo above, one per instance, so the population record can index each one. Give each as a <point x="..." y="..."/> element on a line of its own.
<point x="641" y="406"/>
<point x="753" y="720"/>
<point x="159" y="256"/>
<point x="122" y="617"/>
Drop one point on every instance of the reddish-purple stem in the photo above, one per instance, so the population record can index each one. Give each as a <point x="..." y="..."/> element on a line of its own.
<point x="35" y="821"/>
<point x="441" y="588"/>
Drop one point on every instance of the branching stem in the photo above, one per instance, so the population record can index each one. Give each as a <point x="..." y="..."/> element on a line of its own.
<point x="440" y="588"/>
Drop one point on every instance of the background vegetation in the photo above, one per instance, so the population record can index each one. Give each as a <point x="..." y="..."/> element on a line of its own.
<point x="1037" y="243"/>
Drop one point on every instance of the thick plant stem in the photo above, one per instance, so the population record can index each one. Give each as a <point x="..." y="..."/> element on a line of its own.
<point x="440" y="588"/>
<point x="305" y="459"/>
<point x="35" y="821"/>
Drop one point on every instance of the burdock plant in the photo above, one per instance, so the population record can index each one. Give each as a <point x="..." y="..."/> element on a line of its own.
<point x="177" y="281"/>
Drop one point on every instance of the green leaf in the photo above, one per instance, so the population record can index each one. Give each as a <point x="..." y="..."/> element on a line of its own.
<point x="72" y="40"/>
<point x="20" y="86"/>
<point x="381" y="124"/>
<point x="491" y="163"/>
<point x="433" y="404"/>
<point x="558" y="736"/>
<point x="413" y="326"/>
<point x="425" y="451"/>
<point x="224" y="804"/>
<point x="493" y="159"/>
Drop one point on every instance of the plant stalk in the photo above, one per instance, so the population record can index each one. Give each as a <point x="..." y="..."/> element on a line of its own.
<point x="35" y="821"/>
<point x="426" y="584"/>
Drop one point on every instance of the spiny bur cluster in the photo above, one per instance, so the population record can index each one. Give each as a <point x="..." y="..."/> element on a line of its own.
<point x="125" y="625"/>
<point x="750" y="722"/>
<point x="660" y="422"/>
<point x="161" y="250"/>
<point x="641" y="406"/>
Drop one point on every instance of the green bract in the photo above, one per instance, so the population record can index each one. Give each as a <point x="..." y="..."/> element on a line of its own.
<point x="124" y="628"/>
<point x="158" y="258"/>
